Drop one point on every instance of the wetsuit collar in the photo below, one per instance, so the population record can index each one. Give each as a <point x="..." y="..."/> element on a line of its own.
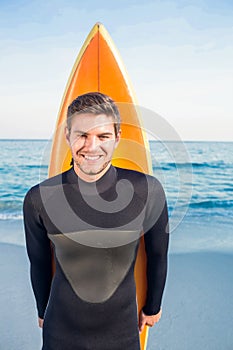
<point x="101" y="185"/>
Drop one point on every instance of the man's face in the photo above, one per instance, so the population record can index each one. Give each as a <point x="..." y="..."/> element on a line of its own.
<point x="92" y="141"/>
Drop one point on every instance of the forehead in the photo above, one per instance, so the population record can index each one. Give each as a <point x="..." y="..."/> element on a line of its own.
<point x="90" y="122"/>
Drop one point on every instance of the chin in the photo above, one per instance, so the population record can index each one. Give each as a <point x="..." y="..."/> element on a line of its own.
<point x="94" y="171"/>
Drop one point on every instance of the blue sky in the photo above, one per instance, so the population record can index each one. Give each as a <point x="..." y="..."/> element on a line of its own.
<point x="179" y="55"/>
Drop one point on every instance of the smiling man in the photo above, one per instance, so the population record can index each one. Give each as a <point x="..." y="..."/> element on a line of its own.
<point x="93" y="216"/>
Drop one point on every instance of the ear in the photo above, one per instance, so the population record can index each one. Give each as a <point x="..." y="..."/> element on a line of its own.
<point x="67" y="135"/>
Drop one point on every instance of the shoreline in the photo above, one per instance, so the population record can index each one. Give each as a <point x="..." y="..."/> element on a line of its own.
<point x="190" y="236"/>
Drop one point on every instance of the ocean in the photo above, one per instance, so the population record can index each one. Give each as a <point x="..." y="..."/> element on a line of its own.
<point x="196" y="176"/>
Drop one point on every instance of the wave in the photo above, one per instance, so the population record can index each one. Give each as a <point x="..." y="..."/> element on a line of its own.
<point x="11" y="210"/>
<point x="11" y="205"/>
<point x="210" y="204"/>
<point x="228" y="189"/>
<point x="35" y="166"/>
<point x="213" y="165"/>
<point x="10" y="216"/>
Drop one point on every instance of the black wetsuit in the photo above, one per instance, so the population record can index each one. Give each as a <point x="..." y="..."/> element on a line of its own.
<point x="90" y="303"/>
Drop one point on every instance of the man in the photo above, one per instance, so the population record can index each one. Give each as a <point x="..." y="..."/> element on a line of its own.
<point x="93" y="215"/>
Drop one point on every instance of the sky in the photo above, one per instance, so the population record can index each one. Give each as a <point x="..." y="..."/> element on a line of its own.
<point x="179" y="56"/>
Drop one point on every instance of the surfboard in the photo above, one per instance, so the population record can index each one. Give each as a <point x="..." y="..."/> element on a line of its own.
<point x="99" y="67"/>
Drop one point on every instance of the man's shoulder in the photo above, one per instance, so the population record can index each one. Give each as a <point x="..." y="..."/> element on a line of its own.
<point x="137" y="176"/>
<point x="49" y="184"/>
<point x="144" y="184"/>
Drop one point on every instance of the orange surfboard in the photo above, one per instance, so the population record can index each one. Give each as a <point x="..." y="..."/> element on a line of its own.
<point x="99" y="68"/>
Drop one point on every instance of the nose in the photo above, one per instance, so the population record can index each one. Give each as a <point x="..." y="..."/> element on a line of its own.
<point x="91" y="142"/>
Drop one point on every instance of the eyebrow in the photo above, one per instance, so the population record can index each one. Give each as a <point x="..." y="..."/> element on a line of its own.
<point x="86" y="133"/>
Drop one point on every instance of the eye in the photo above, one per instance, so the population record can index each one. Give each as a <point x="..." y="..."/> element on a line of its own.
<point x="104" y="137"/>
<point x="81" y="136"/>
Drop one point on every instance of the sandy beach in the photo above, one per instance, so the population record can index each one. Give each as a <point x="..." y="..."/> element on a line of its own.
<point x="19" y="329"/>
<point x="197" y="306"/>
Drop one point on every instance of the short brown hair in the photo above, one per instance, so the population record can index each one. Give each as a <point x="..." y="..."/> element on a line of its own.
<point x="95" y="103"/>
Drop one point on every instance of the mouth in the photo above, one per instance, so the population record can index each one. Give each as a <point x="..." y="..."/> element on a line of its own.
<point x="91" y="157"/>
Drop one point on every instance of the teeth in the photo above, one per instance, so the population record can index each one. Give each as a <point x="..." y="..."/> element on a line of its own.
<point x="92" y="157"/>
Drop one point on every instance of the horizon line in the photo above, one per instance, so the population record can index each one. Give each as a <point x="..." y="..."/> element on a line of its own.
<point x="149" y="140"/>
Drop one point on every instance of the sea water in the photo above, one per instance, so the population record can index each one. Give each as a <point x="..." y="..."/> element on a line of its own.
<point x="196" y="176"/>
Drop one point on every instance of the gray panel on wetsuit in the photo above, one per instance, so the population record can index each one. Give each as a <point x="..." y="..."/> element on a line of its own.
<point x="95" y="273"/>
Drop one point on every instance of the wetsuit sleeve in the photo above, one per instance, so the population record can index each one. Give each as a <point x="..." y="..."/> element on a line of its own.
<point x="39" y="253"/>
<point x="156" y="239"/>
